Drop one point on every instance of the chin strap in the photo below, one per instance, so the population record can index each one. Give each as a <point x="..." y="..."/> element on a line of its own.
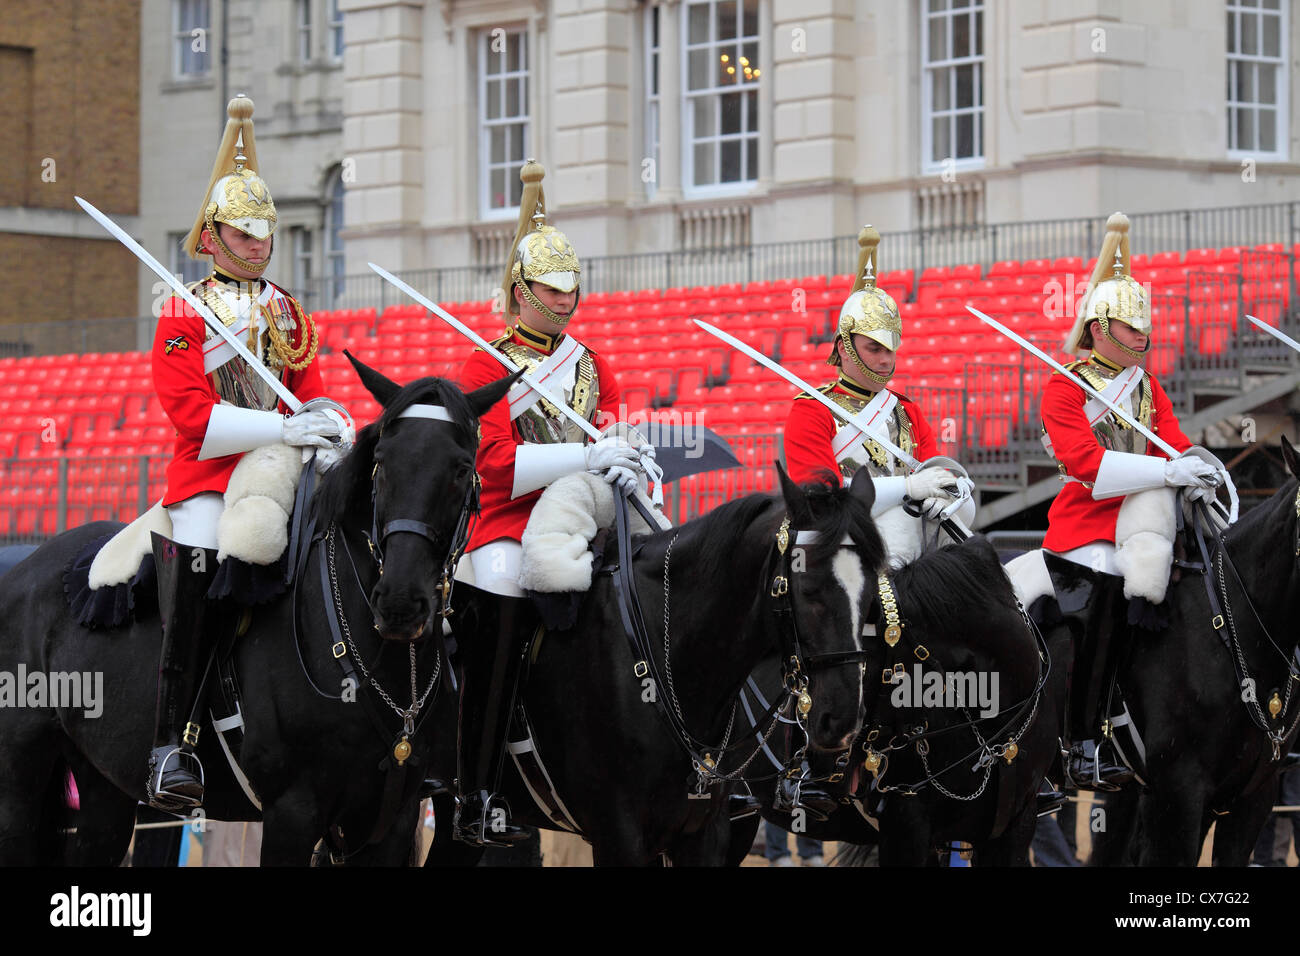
<point x="536" y="303"/>
<point x="1132" y="353"/>
<point x="255" y="267"/>
<point x="882" y="380"/>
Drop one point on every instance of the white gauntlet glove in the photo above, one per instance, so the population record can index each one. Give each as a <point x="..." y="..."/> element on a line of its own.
<point x="1198" y="476"/>
<point x="612" y="452"/>
<point x="937" y="490"/>
<point x="314" y="429"/>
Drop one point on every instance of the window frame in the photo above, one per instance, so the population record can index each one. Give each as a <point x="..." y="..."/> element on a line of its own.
<point x="180" y="264"/>
<point x="333" y="248"/>
<point x="1282" y="80"/>
<point x="952" y="63"/>
<point x="523" y="120"/>
<point x="303" y="31"/>
<point x="689" y="98"/>
<point x="186" y="38"/>
<point x="337" y="44"/>
<point x="652" y="22"/>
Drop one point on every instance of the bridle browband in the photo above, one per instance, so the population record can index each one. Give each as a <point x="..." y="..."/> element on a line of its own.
<point x="377" y="536"/>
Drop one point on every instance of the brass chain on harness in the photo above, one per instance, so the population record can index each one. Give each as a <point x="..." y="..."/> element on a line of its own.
<point x="402" y="750"/>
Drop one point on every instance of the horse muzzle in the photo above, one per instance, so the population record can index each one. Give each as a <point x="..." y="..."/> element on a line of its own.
<point x="405" y="621"/>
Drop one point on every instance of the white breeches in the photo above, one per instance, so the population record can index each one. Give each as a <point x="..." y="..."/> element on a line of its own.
<point x="194" y="520"/>
<point x="496" y="567"/>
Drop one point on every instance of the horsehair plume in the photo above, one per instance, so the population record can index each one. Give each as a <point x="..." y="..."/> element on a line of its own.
<point x="868" y="241"/>
<point x="531" y="202"/>
<point x="1116" y="240"/>
<point x="239" y="127"/>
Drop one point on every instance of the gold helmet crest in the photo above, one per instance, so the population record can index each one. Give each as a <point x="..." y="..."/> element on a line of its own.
<point x="540" y="253"/>
<point x="236" y="194"/>
<point x="868" y="310"/>
<point x="1113" y="294"/>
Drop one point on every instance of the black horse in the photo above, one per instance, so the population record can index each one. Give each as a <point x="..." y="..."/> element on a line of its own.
<point x="928" y="772"/>
<point x="1210" y="740"/>
<point x="733" y="597"/>
<point x="324" y="763"/>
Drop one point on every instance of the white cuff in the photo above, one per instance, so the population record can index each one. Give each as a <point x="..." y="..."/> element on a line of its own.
<point x="536" y="466"/>
<point x="890" y="491"/>
<point x="233" y="430"/>
<point x="1122" y="473"/>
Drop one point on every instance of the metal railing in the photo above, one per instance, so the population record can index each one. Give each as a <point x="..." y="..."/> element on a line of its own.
<point x="44" y="496"/>
<point x="917" y="249"/>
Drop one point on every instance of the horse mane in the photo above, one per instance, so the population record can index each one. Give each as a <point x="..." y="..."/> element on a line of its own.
<point x="346" y="486"/>
<point x="1263" y="521"/>
<point x="715" y="537"/>
<point x="948" y="584"/>
<point x="835" y="513"/>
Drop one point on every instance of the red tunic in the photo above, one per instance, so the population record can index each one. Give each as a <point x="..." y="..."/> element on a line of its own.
<point x="1076" y="518"/>
<point x="187" y="396"/>
<point x="810" y="430"/>
<point x="500" y="516"/>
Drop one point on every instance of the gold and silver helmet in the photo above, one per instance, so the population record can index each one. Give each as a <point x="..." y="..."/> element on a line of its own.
<point x="236" y="194"/>
<point x="868" y="310"/>
<point x="540" y="253"/>
<point x="1113" y="295"/>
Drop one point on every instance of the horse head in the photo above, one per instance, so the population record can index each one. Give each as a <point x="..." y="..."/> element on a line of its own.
<point x="835" y="555"/>
<point x="410" y="486"/>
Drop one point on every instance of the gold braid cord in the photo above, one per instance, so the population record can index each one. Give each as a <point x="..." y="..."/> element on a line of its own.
<point x="295" y="359"/>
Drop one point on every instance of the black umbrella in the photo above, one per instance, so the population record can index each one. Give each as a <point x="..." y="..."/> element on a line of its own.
<point x="682" y="450"/>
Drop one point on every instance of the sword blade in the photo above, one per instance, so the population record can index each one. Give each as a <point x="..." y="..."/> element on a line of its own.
<point x="640" y="501"/>
<point x="842" y="413"/>
<point x="178" y="287"/>
<point x="1276" y="333"/>
<point x="1151" y="436"/>
<point x="482" y="343"/>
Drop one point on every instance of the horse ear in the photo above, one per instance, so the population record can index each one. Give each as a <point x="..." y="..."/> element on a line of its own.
<point x="378" y="384"/>
<point x="796" y="502"/>
<point x="1292" y="459"/>
<point x="481" y="399"/>
<point x="863" y="487"/>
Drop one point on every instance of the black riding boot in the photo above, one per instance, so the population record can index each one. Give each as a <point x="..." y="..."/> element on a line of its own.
<point x="184" y="576"/>
<point x="1089" y="769"/>
<point x="821" y="795"/>
<point x="493" y="660"/>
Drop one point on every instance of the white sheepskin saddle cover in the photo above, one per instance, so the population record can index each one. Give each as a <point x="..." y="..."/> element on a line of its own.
<point x="1144" y="542"/>
<point x="254" y="527"/>
<point x="556" y="543"/>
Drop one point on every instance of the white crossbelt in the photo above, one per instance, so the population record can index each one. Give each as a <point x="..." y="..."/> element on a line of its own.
<point x="216" y="350"/>
<point x="550" y="375"/>
<point x="849" y="440"/>
<point x="1117" y="392"/>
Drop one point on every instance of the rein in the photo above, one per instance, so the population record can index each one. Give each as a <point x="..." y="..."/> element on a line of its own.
<point x="985" y="753"/>
<point x="343" y="647"/>
<point x="705" y="758"/>
<point x="1224" y="625"/>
